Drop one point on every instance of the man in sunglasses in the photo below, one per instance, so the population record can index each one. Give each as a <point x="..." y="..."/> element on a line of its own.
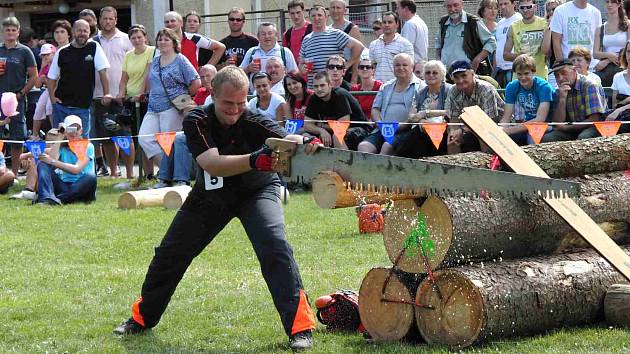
<point x="336" y="68"/>
<point x="237" y="43"/>
<point x="526" y="37"/>
<point x="504" y="67"/>
<point x="385" y="47"/>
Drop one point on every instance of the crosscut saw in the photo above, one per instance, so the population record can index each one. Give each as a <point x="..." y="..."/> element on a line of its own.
<point x="382" y="173"/>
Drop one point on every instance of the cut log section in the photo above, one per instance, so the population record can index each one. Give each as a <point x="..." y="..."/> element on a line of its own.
<point x="174" y="199"/>
<point x="146" y="198"/>
<point x="617" y="305"/>
<point x="475" y="229"/>
<point x="330" y="191"/>
<point x="515" y="298"/>
<point x="563" y="159"/>
<point x="386" y="321"/>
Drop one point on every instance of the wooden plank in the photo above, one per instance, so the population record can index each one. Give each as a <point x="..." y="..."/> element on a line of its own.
<point x="491" y="134"/>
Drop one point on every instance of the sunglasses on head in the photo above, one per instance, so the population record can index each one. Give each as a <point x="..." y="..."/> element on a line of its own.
<point x="376" y="28"/>
<point x="133" y="27"/>
<point x="365" y="67"/>
<point x="526" y="7"/>
<point x="333" y="67"/>
<point x="234" y="19"/>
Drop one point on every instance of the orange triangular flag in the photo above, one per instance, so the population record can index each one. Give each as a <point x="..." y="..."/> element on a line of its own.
<point x="339" y="128"/>
<point x="435" y="131"/>
<point x="536" y="130"/>
<point x="79" y="147"/>
<point x="1" y="146"/>
<point x="608" y="128"/>
<point x="166" y="141"/>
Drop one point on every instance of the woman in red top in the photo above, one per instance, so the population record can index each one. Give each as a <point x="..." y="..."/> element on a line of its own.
<point x="367" y="83"/>
<point x="297" y="96"/>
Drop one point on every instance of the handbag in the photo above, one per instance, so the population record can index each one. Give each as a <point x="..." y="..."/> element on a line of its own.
<point x="182" y="103"/>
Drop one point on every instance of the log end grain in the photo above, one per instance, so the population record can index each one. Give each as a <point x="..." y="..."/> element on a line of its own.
<point x="175" y="198"/>
<point x="402" y="218"/>
<point x="617" y="305"/>
<point x="458" y="315"/>
<point x="385" y="321"/>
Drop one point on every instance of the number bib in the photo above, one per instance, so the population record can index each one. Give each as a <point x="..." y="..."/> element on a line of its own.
<point x="212" y="182"/>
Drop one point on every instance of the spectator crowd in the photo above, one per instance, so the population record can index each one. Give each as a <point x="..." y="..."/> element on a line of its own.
<point x="96" y="81"/>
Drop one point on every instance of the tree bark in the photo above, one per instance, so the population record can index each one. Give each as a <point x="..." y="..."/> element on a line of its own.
<point x="563" y="159"/>
<point x="521" y="297"/>
<point x="617" y="305"/>
<point x="466" y="229"/>
<point x="330" y="191"/>
<point x="388" y="321"/>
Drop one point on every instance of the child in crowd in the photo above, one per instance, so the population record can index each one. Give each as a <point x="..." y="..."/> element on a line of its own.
<point x="581" y="59"/>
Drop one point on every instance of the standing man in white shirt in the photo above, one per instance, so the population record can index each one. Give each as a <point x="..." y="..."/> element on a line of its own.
<point x="509" y="15"/>
<point x="573" y="25"/>
<point x="414" y="29"/>
<point x="386" y="46"/>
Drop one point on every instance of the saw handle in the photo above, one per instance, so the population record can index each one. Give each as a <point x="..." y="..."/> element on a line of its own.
<point x="285" y="150"/>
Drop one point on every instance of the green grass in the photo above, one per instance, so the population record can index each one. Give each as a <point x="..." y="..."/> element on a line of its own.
<point x="69" y="274"/>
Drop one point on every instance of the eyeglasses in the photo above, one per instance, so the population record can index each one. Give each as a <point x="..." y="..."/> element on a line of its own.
<point x="526" y="7"/>
<point x="233" y="19"/>
<point x="333" y="67"/>
<point x="365" y="67"/>
<point x="431" y="73"/>
<point x="376" y="28"/>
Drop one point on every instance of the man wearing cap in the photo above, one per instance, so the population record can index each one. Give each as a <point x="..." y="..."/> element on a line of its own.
<point x="577" y="99"/>
<point x="468" y="91"/>
<point x="66" y="175"/>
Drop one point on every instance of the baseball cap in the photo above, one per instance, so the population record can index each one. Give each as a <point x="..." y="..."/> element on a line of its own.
<point x="72" y="119"/>
<point x="459" y="66"/>
<point x="47" y="49"/>
<point x="561" y="64"/>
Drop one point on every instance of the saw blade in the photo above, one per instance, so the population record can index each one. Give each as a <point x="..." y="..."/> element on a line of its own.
<point x="389" y="174"/>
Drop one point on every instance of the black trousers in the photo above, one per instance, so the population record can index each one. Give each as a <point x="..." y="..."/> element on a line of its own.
<point x="196" y="225"/>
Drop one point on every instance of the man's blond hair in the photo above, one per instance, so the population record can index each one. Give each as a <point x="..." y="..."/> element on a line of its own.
<point x="233" y="75"/>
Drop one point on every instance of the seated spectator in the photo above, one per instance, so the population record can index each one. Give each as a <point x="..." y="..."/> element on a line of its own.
<point x="336" y="68"/>
<point x="577" y="99"/>
<point x="334" y="103"/>
<point x="61" y="177"/>
<point x="418" y="69"/>
<point x="581" y="59"/>
<point x="621" y="81"/>
<point x="276" y="70"/>
<point x="366" y="83"/>
<point x="468" y="91"/>
<point x="206" y="74"/>
<point x="393" y="104"/>
<point x="266" y="103"/>
<point x="6" y="176"/>
<point x="527" y="99"/>
<point x="298" y="96"/>
<point x="428" y="107"/>
<point x="610" y="38"/>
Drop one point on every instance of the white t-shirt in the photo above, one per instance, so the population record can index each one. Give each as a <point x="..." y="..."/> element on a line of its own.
<point x="417" y="32"/>
<point x="614" y="43"/>
<point x="208" y="100"/>
<point x="270" y="112"/>
<point x="620" y="84"/>
<point x="501" y="36"/>
<point x="591" y="75"/>
<point x="577" y="27"/>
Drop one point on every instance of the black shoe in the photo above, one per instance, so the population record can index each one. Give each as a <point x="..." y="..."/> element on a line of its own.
<point x="102" y="171"/>
<point x="129" y="327"/>
<point x="301" y="341"/>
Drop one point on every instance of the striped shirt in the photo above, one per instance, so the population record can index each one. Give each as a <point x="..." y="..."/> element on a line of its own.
<point x="318" y="46"/>
<point x="383" y="54"/>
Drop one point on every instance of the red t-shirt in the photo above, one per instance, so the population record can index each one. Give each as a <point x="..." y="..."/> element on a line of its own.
<point x="201" y="95"/>
<point x="296" y="40"/>
<point x="367" y="101"/>
<point x="300" y="106"/>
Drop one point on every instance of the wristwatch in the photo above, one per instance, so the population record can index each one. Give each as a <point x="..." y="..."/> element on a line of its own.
<point x="52" y="162"/>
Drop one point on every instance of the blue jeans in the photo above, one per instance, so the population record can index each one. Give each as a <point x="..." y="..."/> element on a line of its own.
<point x="51" y="187"/>
<point x="176" y="167"/>
<point x="60" y="112"/>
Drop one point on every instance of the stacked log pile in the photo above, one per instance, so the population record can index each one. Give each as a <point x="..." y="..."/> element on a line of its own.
<point x="499" y="267"/>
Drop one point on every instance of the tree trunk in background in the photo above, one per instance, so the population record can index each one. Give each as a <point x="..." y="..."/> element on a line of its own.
<point x="563" y="159"/>
<point x="467" y="229"/>
<point x="515" y="298"/>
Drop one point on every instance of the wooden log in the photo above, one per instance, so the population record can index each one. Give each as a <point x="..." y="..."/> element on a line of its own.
<point x="388" y="321"/>
<point x="145" y="198"/>
<point x="174" y="199"/>
<point x="330" y="191"/>
<point x="617" y="305"/>
<point x="563" y="159"/>
<point x="475" y="229"/>
<point x="514" y="298"/>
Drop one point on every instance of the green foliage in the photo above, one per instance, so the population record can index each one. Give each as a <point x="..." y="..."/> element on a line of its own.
<point x="69" y="274"/>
